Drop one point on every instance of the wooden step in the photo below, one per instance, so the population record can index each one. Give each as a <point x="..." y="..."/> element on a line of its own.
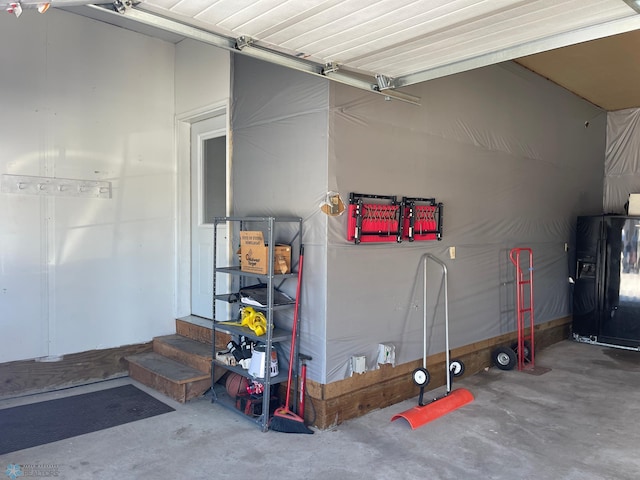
<point x="184" y="350"/>
<point x="193" y="331"/>
<point x="200" y="333"/>
<point x="176" y="380"/>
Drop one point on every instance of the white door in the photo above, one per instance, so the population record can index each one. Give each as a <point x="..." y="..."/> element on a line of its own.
<point x="208" y="200"/>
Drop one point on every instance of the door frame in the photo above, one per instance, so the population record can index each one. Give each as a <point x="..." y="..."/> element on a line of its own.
<point x="182" y="300"/>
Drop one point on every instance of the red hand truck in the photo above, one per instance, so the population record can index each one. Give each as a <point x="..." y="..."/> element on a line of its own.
<point x="524" y="305"/>
<point x="520" y="353"/>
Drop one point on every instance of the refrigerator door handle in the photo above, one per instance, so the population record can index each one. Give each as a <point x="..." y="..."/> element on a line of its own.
<point x="599" y="270"/>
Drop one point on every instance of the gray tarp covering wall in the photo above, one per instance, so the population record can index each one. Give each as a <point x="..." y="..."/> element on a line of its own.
<point x="279" y="167"/>
<point x="622" y="163"/>
<point x="508" y="153"/>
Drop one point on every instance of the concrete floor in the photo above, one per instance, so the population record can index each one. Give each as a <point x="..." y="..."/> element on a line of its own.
<point x="578" y="421"/>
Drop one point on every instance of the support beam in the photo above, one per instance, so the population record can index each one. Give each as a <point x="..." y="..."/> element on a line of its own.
<point x="586" y="34"/>
<point x="256" y="51"/>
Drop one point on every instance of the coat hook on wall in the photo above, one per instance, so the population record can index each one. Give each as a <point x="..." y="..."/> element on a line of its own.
<point x="31" y="185"/>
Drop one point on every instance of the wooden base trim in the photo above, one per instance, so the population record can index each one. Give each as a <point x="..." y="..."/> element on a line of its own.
<point x="333" y="403"/>
<point x="28" y="376"/>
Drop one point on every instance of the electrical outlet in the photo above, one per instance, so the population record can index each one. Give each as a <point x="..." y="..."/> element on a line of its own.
<point x="452" y="253"/>
<point x="358" y="364"/>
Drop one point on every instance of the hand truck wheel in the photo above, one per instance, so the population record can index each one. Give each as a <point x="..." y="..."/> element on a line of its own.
<point x="504" y="358"/>
<point x="456" y="368"/>
<point x="527" y="349"/>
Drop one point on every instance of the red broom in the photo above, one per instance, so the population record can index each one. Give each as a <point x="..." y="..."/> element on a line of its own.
<point x="284" y="420"/>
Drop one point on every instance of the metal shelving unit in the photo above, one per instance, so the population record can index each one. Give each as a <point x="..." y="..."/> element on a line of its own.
<point x="276" y="230"/>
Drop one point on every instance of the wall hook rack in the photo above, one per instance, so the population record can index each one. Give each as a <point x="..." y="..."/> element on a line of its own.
<point x="66" y="187"/>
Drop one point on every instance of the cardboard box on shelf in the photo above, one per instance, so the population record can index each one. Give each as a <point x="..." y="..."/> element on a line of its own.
<point x="253" y="254"/>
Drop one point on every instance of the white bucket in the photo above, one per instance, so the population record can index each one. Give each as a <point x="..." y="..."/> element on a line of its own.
<point x="257" y="366"/>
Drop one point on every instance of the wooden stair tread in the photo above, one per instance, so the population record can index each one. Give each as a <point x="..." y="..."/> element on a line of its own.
<point x="169" y="369"/>
<point x="186" y="345"/>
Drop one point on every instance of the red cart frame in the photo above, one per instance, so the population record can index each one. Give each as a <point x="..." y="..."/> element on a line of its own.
<point x="524" y="292"/>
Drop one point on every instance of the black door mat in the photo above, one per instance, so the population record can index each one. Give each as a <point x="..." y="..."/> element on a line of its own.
<point x="36" y="424"/>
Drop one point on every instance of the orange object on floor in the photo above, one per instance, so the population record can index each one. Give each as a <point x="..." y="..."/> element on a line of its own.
<point x="420" y="415"/>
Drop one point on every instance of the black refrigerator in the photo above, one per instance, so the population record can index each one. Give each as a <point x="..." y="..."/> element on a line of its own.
<point x="606" y="294"/>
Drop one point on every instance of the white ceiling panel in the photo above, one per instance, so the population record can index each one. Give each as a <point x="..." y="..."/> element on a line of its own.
<point x="393" y="37"/>
<point x="264" y="17"/>
<point x="168" y="4"/>
<point x="191" y="8"/>
<point x="390" y="43"/>
<point x="400" y="21"/>
<point x="472" y="39"/>
<point x="327" y="19"/>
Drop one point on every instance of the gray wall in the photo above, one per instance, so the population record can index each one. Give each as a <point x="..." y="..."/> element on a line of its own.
<point x="507" y="152"/>
<point x="622" y="162"/>
<point x="509" y="155"/>
<point x="279" y="145"/>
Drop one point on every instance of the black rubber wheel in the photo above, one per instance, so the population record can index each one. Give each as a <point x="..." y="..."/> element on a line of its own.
<point x="456" y="367"/>
<point x="421" y="377"/>
<point x="504" y="358"/>
<point x="527" y="349"/>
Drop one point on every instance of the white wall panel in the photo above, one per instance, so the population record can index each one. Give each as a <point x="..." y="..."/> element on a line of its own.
<point x="95" y="102"/>
<point x="24" y="325"/>
<point x="23" y="295"/>
<point x="202" y="76"/>
<point x="202" y="84"/>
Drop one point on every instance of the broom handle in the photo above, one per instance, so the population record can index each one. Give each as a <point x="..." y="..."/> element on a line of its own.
<point x="303" y="388"/>
<point x="295" y="328"/>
